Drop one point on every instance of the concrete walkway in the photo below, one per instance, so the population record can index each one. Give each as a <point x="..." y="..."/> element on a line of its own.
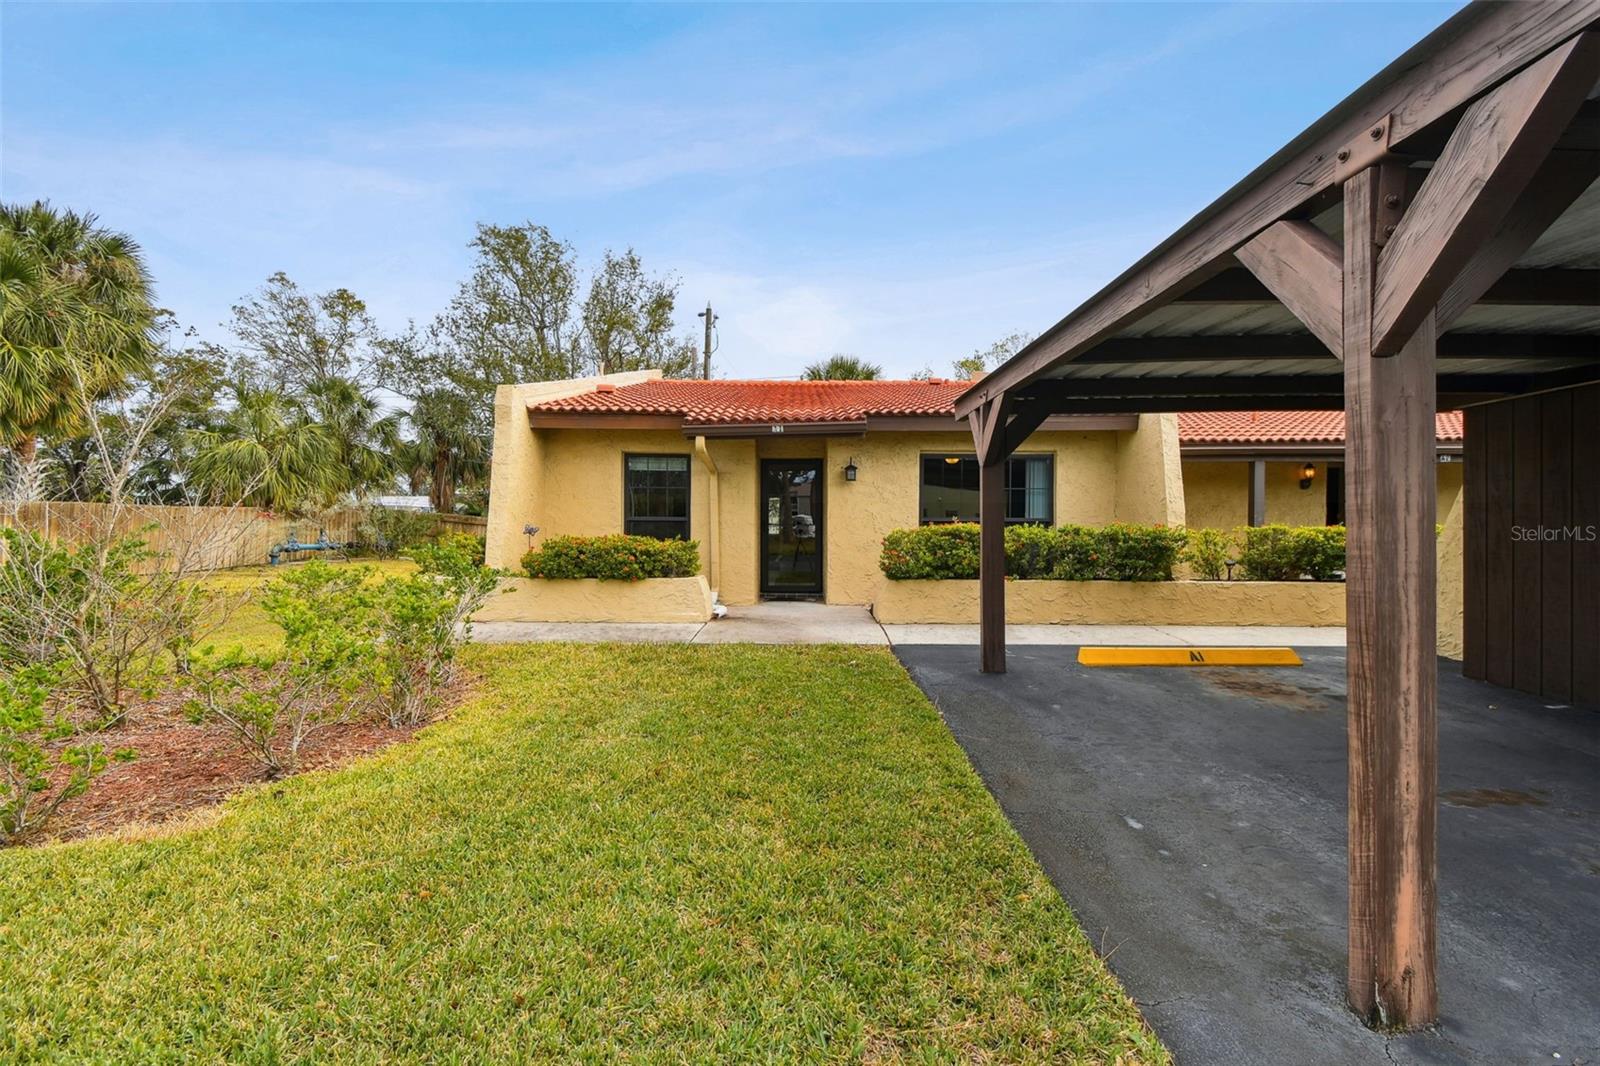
<point x="1142" y="636"/>
<point x="823" y="623"/>
<point x="793" y="623"/>
<point x="761" y="623"/>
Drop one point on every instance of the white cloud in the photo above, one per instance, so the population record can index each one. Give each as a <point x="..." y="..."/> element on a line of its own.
<point x="386" y="206"/>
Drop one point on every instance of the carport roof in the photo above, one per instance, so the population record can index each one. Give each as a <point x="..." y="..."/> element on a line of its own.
<point x="1188" y="327"/>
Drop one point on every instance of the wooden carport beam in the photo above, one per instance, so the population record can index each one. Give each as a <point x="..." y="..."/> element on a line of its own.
<point x="1259" y="347"/>
<point x="1500" y="143"/>
<point x="1300" y="265"/>
<point x="1519" y="287"/>
<point x="1561" y="180"/>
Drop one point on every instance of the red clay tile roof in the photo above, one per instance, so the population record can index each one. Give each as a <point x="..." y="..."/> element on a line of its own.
<point x="738" y="402"/>
<point x="1286" y="427"/>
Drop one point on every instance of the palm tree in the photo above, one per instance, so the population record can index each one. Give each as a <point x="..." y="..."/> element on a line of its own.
<point x="364" y="440"/>
<point x="266" y="453"/>
<point x="415" y="461"/>
<point x="446" y="445"/>
<point x="75" y="319"/>
<point x="842" y="367"/>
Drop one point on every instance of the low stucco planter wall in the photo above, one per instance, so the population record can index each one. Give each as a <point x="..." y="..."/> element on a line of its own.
<point x="656" y="599"/>
<point x="1189" y="603"/>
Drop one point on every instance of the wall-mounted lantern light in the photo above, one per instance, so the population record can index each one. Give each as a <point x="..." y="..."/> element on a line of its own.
<point x="1308" y="474"/>
<point x="850" y="469"/>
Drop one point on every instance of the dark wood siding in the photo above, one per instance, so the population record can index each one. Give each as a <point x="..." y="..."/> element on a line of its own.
<point x="1532" y="544"/>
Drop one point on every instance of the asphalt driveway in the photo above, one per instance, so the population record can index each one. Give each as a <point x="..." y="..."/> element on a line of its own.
<point x="1195" y="820"/>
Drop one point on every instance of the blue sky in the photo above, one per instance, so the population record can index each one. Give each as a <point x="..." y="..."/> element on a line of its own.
<point x="905" y="183"/>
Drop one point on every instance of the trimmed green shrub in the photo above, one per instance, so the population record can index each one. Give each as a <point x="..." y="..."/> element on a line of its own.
<point x="947" y="551"/>
<point x="1289" y="553"/>
<point x="1032" y="551"/>
<point x="1137" y="553"/>
<point x="1117" y="552"/>
<point x="1208" y="551"/>
<point x="1077" y="554"/>
<point x="613" y="557"/>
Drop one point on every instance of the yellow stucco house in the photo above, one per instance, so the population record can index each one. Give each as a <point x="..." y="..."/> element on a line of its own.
<point x="789" y="487"/>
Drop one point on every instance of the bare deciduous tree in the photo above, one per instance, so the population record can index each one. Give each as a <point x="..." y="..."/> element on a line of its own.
<point x="98" y="600"/>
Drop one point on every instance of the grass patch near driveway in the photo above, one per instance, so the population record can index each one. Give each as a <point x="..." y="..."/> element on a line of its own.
<point x="662" y="853"/>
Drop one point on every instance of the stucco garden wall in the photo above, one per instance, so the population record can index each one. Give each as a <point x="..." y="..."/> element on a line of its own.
<point x="658" y="599"/>
<point x="1192" y="603"/>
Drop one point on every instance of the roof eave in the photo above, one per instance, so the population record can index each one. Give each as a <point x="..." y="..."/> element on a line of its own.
<point x="851" y="428"/>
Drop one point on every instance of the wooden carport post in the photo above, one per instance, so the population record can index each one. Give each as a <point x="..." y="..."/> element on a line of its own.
<point x="1374" y="304"/>
<point x="1391" y="618"/>
<point x="998" y="428"/>
<point x="1400" y="260"/>
<point x="988" y="437"/>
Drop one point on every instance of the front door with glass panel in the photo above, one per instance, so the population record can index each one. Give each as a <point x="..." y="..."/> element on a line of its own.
<point x="791" y="527"/>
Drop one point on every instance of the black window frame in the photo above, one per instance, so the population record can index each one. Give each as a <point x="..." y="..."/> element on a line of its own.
<point x="629" y="519"/>
<point x="1017" y="458"/>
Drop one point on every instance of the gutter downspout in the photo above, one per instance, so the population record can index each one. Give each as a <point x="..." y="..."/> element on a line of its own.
<point x="713" y="517"/>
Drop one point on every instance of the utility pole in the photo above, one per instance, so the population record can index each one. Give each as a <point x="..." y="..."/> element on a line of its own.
<point x="711" y="320"/>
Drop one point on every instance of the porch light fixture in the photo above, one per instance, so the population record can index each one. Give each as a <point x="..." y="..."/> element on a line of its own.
<point x="850" y="469"/>
<point x="952" y="459"/>
<point x="1307" y="474"/>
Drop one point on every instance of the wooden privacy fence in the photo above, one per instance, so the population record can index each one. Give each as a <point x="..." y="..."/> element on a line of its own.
<point x="212" y="538"/>
<point x="470" y="524"/>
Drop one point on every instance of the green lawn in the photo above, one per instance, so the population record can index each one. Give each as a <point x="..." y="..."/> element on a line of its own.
<point x="658" y="853"/>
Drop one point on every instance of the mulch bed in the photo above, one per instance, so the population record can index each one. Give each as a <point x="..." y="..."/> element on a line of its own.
<point x="180" y="767"/>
